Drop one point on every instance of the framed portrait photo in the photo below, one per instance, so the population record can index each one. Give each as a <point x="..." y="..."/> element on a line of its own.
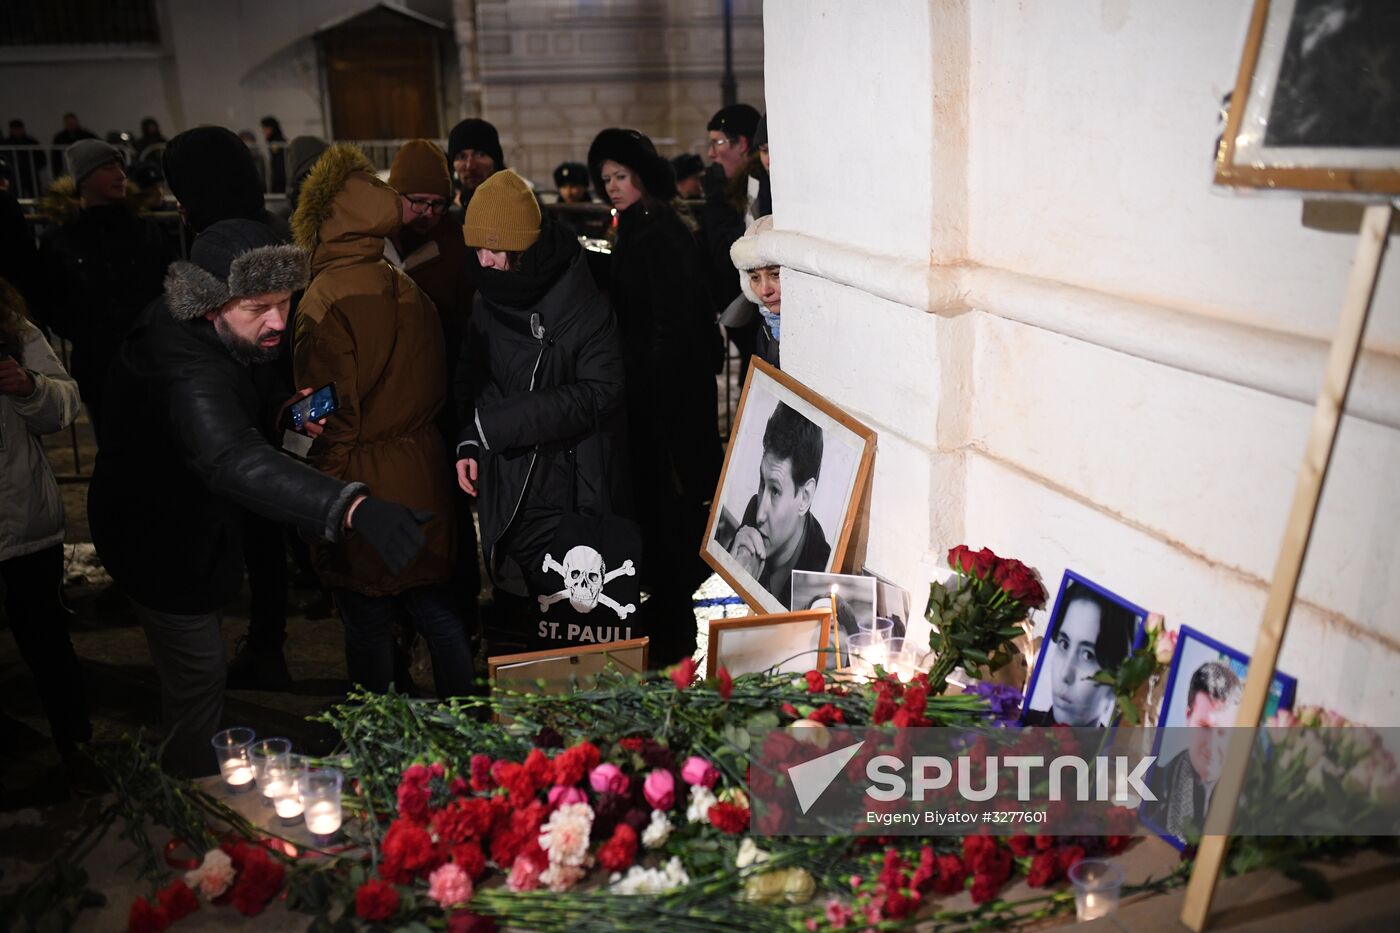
<point x="789" y="491"/>
<point x="1090" y="629"/>
<point x="1204" y="686"/>
<point x="1316" y="105"/>
<point x="786" y="642"/>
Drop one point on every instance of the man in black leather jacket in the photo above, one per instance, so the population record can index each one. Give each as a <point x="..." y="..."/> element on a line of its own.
<point x="182" y="455"/>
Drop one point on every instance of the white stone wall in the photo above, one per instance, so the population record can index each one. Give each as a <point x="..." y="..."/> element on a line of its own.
<point x="1074" y="349"/>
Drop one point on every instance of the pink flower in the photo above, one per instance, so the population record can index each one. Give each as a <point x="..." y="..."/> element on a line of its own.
<point x="524" y="874"/>
<point x="562" y="877"/>
<point x="449" y="885"/>
<point x="838" y="914"/>
<point x="608" y="779"/>
<point x="697" y="770"/>
<point x="660" y="789"/>
<point x="559" y="796"/>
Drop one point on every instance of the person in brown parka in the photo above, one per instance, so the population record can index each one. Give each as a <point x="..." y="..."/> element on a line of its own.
<point x="363" y="325"/>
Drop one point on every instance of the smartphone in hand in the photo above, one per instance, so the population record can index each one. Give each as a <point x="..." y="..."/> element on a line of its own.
<point x="314" y="407"/>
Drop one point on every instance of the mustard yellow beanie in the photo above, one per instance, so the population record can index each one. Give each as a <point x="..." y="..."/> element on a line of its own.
<point x="502" y="215"/>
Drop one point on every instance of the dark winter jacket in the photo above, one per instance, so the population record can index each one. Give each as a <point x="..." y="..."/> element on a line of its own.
<point x="98" y="269"/>
<point x="540" y="392"/>
<point x="363" y="325"/>
<point x="180" y="457"/>
<point x="668" y="335"/>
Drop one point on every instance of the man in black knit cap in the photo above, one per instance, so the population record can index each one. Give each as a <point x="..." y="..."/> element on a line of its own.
<point x="474" y="149"/>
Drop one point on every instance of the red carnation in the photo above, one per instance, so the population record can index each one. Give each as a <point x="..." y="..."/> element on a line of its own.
<point x="470" y="858"/>
<point x="146" y="918"/>
<point x="1116" y="844"/>
<point x="177" y="900"/>
<point x="1069" y="855"/>
<point x="259" y="879"/>
<point x="573" y="764"/>
<point x="463" y="819"/>
<point x="631" y="744"/>
<point x="1021" y="846"/>
<point x="827" y="715"/>
<point x="816" y="683"/>
<point x="683" y="674"/>
<point x="516" y="832"/>
<point x="376" y="900"/>
<point x="984" y="888"/>
<point x="729" y="818"/>
<point x="538" y="768"/>
<point x="726" y="684"/>
<point x="481" y="774"/>
<point x="1045" y="870"/>
<point x="885" y="709"/>
<point x="1044" y="842"/>
<point x="407" y="852"/>
<point x="951" y="875"/>
<point x="618" y="853"/>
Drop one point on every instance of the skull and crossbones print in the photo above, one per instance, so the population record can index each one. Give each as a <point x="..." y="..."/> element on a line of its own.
<point x="585" y="574"/>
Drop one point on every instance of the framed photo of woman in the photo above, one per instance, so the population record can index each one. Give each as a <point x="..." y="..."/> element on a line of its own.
<point x="789" y="491"/>
<point x="1091" y="629"/>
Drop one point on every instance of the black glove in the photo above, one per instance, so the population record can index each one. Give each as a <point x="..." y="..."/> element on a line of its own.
<point x="392" y="530"/>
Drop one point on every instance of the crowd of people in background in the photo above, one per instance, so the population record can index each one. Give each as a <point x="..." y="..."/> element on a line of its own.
<point x="489" y="372"/>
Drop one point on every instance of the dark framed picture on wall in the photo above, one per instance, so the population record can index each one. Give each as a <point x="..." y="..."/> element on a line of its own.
<point x="1204" y="686"/>
<point x="1316" y="104"/>
<point x="1091" y="629"/>
<point x="792" y="481"/>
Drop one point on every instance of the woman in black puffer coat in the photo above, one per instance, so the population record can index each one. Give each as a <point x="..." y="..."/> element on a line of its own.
<point x="539" y="387"/>
<point x="668" y="334"/>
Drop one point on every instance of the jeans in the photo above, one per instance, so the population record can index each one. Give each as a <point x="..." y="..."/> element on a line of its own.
<point x="40" y="626"/>
<point x="369" y="637"/>
<point x="188" y="651"/>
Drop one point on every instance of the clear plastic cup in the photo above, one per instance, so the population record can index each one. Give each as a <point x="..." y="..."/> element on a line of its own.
<point x="231" y="749"/>
<point x="867" y="651"/>
<point x="1097" y="885"/>
<point x="883" y="628"/>
<point x="320" y="798"/>
<point x="286" y="799"/>
<point x="270" y="757"/>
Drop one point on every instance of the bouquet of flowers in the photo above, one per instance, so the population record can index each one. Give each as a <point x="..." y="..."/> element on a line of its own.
<point x="975" y="621"/>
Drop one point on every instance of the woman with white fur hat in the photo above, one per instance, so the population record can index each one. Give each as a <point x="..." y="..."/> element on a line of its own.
<point x="761" y="284"/>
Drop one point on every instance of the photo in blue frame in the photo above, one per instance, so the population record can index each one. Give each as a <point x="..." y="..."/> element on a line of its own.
<point x="1203" y="689"/>
<point x="1090" y="629"/>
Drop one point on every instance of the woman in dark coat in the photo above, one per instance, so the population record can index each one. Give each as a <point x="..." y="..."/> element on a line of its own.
<point x="539" y="387"/>
<point x="668" y="331"/>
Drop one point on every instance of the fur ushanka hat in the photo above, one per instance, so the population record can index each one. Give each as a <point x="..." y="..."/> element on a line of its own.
<point x="232" y="259"/>
<point x="632" y="149"/>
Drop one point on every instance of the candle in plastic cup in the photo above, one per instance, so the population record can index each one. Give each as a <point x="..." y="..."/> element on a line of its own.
<point x="231" y="751"/>
<point x="320" y="795"/>
<point x="866" y="653"/>
<point x="270" y="758"/>
<point x="1097" y="883"/>
<point x="883" y="629"/>
<point x="286" y="798"/>
<point x="904" y="659"/>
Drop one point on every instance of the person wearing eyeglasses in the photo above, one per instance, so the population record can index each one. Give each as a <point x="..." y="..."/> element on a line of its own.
<point x="429" y="248"/>
<point x="731" y="191"/>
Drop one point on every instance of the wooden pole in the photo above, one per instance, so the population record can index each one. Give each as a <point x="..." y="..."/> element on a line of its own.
<point x="1327" y="415"/>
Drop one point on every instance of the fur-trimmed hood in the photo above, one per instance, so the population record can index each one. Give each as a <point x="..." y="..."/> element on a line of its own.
<point x="747" y="253"/>
<point x="343" y="210"/>
<point x="192" y="291"/>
